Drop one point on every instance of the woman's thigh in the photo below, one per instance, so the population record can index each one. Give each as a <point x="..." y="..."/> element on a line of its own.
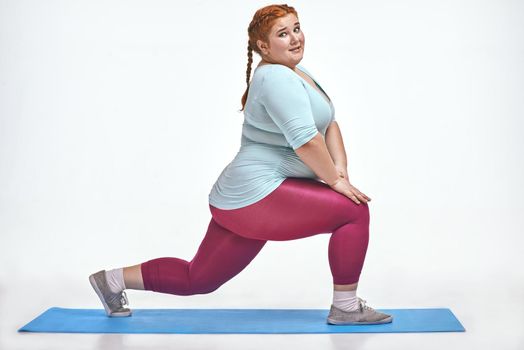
<point x="298" y="208"/>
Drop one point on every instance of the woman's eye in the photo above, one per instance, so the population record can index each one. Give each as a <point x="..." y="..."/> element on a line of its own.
<point x="297" y="29"/>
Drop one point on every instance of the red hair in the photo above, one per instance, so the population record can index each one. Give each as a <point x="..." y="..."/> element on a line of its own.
<point x="259" y="29"/>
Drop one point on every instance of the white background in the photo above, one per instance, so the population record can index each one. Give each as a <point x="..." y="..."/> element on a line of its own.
<point x="116" y="118"/>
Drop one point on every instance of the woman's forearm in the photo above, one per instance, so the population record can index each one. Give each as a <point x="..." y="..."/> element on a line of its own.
<point x="316" y="156"/>
<point x="335" y="145"/>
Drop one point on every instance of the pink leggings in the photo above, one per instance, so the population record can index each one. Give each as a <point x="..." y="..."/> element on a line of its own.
<point x="298" y="208"/>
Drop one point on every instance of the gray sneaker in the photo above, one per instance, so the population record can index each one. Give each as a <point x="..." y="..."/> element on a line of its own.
<point x="113" y="302"/>
<point x="364" y="315"/>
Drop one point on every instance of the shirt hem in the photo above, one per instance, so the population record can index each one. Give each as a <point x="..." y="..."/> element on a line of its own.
<point x="251" y="201"/>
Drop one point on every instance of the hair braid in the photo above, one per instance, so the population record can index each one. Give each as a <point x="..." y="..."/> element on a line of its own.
<point x="248" y="73"/>
<point x="258" y="29"/>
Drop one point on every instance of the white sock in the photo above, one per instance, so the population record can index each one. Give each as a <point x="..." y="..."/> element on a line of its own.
<point x="345" y="300"/>
<point x="115" y="279"/>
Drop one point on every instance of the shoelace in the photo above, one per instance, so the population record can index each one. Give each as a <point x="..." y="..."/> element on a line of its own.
<point x="123" y="299"/>
<point x="363" y="305"/>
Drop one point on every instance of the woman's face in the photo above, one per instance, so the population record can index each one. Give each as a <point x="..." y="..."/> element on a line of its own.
<point x="284" y="36"/>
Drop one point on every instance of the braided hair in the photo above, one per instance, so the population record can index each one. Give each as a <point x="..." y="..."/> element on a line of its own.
<point x="259" y="29"/>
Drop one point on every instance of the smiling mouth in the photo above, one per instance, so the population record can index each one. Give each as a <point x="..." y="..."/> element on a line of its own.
<point x="296" y="49"/>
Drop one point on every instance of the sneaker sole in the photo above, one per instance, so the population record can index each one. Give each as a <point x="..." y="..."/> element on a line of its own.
<point x="106" y="307"/>
<point x="336" y="322"/>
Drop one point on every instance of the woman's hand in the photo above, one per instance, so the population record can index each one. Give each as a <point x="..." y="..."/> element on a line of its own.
<point x="343" y="186"/>
<point x="342" y="171"/>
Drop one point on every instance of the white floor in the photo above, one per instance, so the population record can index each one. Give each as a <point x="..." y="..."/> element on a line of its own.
<point x="496" y="326"/>
<point x="490" y="310"/>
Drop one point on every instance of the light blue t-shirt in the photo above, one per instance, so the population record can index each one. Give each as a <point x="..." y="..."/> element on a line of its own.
<point x="282" y="112"/>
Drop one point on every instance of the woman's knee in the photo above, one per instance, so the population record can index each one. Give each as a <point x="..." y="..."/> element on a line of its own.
<point x="356" y="213"/>
<point x="363" y="213"/>
<point x="204" y="287"/>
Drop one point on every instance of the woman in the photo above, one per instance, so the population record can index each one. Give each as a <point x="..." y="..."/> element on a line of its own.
<point x="271" y="189"/>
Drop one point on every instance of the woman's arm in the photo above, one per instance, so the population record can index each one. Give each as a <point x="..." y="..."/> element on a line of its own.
<point x="315" y="155"/>
<point x="335" y="146"/>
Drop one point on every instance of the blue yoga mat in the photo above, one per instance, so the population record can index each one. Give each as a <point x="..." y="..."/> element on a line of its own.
<point x="254" y="321"/>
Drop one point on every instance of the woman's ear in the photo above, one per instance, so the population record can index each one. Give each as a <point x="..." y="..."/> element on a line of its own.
<point x="262" y="46"/>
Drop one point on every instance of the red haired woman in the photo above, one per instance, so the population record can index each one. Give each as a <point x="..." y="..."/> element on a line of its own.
<point x="288" y="181"/>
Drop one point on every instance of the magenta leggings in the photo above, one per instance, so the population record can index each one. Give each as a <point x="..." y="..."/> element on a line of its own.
<point x="298" y="208"/>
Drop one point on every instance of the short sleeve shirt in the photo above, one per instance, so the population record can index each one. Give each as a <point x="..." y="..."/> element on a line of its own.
<point x="282" y="113"/>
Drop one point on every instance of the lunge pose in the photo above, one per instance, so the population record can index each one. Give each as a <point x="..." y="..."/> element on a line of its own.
<point x="289" y="180"/>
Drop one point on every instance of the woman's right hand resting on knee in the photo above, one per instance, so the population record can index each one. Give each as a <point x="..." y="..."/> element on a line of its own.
<point x="343" y="186"/>
<point x="316" y="156"/>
